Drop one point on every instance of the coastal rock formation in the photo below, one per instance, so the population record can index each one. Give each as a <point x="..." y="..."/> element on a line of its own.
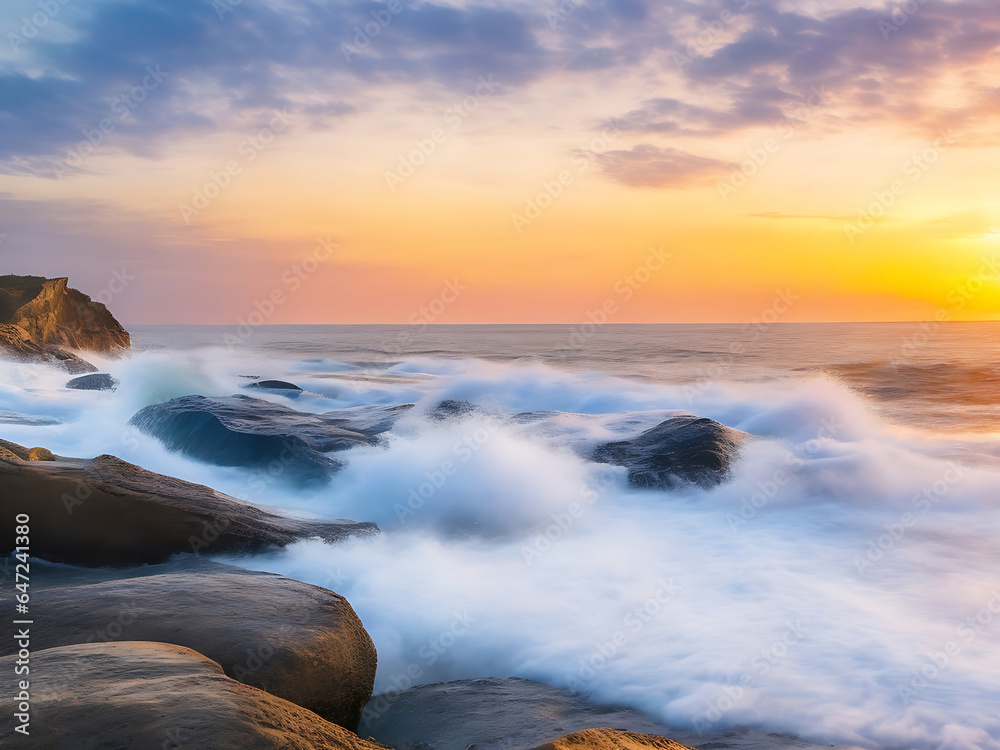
<point x="612" y="739"/>
<point x="155" y="695"/>
<point x="15" y="343"/>
<point x="680" y="450"/>
<point x="296" y="641"/>
<point x="53" y="314"/>
<point x="252" y="432"/>
<point x="105" y="511"/>
<point x="516" y="714"/>
<point x="96" y="382"/>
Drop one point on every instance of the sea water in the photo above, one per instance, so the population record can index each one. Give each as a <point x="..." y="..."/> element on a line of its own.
<point x="844" y="584"/>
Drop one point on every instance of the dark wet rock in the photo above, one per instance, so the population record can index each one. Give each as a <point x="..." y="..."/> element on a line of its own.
<point x="516" y="714"/>
<point x="681" y="450"/>
<point x="252" y="432"/>
<point x="452" y="409"/>
<point x="105" y="511"/>
<point x="273" y="385"/>
<point x="96" y="382"/>
<point x="296" y="641"/>
<point x="125" y="696"/>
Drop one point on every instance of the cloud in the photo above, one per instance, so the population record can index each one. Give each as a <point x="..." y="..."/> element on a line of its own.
<point x="326" y="61"/>
<point x="647" y="165"/>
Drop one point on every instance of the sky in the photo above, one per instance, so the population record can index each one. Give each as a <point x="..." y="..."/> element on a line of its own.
<point x="486" y="161"/>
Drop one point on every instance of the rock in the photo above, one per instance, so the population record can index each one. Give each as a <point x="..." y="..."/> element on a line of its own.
<point x="252" y="432"/>
<point x="52" y="313"/>
<point x="96" y="382"/>
<point x="99" y="696"/>
<point x="612" y="739"/>
<point x="516" y="714"/>
<point x="17" y="344"/>
<point x="19" y="451"/>
<point x="681" y="450"/>
<point x="274" y="385"/>
<point x="452" y="409"/>
<point x="105" y="511"/>
<point x="296" y="641"/>
<point x="41" y="454"/>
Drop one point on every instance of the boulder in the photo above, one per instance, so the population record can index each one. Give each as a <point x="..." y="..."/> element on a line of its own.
<point x="296" y="641"/>
<point x="99" y="696"/>
<point x="50" y="312"/>
<point x="105" y="511"/>
<point x="516" y="714"/>
<point x="96" y="382"/>
<point x="612" y="739"/>
<point x="290" y="389"/>
<point x="681" y="450"/>
<point x="252" y="432"/>
<point x="40" y="454"/>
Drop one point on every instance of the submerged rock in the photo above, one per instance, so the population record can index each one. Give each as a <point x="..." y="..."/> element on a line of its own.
<point x="247" y="431"/>
<point x="516" y="714"/>
<point x="96" y="382"/>
<point x="612" y="739"/>
<point x="289" y="389"/>
<point x="156" y="695"/>
<point x="681" y="450"/>
<point x="296" y="641"/>
<point x="105" y="511"/>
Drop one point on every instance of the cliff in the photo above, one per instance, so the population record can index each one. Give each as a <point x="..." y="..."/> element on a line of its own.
<point x="52" y="314"/>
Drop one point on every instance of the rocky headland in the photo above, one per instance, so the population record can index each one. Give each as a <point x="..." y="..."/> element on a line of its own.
<point x="46" y="320"/>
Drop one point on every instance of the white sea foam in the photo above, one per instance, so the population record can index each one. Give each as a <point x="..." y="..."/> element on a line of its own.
<point x="842" y="585"/>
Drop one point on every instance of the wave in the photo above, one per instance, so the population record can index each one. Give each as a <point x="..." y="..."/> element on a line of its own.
<point x="841" y="585"/>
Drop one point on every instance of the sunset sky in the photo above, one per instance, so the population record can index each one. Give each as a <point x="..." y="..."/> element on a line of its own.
<point x="357" y="158"/>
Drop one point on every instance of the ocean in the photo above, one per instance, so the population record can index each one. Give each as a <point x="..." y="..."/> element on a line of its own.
<point x="844" y="584"/>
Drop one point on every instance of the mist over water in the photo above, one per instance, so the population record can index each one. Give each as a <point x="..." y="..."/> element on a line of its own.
<point x="844" y="584"/>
